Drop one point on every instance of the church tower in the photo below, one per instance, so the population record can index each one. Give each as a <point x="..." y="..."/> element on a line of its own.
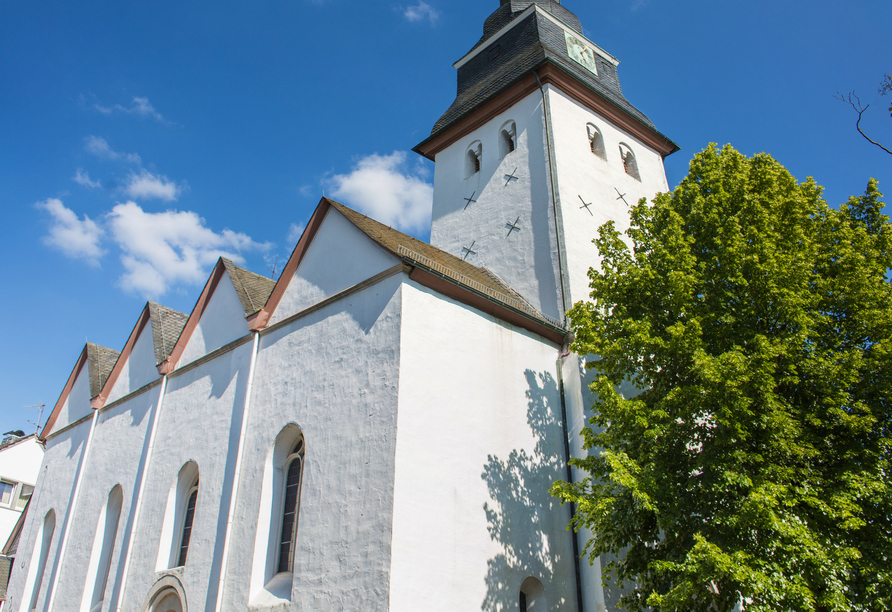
<point x="538" y="150"/>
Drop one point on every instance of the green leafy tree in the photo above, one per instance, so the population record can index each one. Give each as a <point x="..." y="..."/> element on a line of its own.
<point x="754" y="465"/>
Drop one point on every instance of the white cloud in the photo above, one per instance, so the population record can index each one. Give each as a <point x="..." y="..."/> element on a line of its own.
<point x="295" y="232"/>
<point x="75" y="238"/>
<point x="162" y="249"/>
<point x="385" y="188"/>
<point x="146" y="185"/>
<point x="82" y="178"/>
<point x="100" y="148"/>
<point x="308" y="191"/>
<point x="139" y="106"/>
<point x="420" y="12"/>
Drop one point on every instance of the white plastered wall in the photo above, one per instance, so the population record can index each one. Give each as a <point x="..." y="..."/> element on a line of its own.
<point x="77" y="404"/>
<point x="333" y="373"/>
<point x="222" y="322"/>
<point x="339" y="257"/>
<point x="580" y="173"/>
<point x="200" y="421"/>
<point x="527" y="258"/>
<point x="53" y="492"/>
<point x="116" y="458"/>
<point x="479" y="444"/>
<point x="139" y="369"/>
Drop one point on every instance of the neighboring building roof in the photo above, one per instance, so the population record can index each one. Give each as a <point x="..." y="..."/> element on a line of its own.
<point x="12" y="441"/>
<point x="253" y="290"/>
<point x="167" y="324"/>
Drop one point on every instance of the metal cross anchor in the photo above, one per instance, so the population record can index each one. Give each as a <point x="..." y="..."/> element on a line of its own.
<point x="586" y="206"/>
<point x="468" y="250"/>
<point x="510" y="177"/>
<point x="470" y="200"/>
<point x="622" y="196"/>
<point x="512" y="226"/>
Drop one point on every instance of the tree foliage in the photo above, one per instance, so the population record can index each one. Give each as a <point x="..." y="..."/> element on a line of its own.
<point x="754" y="465"/>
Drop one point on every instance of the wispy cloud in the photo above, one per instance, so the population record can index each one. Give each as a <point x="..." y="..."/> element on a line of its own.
<point x="385" y="188"/>
<point x="100" y="148"/>
<point x="421" y="12"/>
<point x="77" y="239"/>
<point x="295" y="232"/>
<point x="83" y="178"/>
<point x="139" y="106"/>
<point x="160" y="250"/>
<point x="145" y="186"/>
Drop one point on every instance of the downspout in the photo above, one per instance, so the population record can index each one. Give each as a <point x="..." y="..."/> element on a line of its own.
<point x="238" y="470"/>
<point x="142" y="485"/>
<point x="559" y="238"/>
<point x="72" y="508"/>
<point x="552" y="175"/>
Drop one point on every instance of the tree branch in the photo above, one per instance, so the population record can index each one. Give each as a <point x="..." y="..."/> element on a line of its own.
<point x="860" y="110"/>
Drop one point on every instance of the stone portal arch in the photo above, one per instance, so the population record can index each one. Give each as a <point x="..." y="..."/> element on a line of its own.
<point x="166" y="595"/>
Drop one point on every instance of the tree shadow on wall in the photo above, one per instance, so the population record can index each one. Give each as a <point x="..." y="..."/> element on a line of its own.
<point x="523" y="517"/>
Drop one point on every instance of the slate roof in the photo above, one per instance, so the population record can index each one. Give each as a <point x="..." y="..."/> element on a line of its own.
<point x="534" y="42"/>
<point x="100" y="361"/>
<point x="391" y="240"/>
<point x="167" y="324"/>
<point x="253" y="290"/>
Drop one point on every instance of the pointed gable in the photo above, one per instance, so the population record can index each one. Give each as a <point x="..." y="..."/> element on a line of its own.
<point x="153" y="337"/>
<point x="230" y="295"/>
<point x="85" y="382"/>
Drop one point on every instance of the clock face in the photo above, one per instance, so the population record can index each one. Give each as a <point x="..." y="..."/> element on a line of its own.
<point x="581" y="52"/>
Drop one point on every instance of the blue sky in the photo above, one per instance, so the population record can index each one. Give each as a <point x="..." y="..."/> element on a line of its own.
<point x="140" y="140"/>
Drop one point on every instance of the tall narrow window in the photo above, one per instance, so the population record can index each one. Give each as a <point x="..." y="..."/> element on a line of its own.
<point x="188" y="517"/>
<point x="596" y="140"/>
<point x="507" y="139"/>
<point x="293" y="471"/>
<point x="103" y="548"/>
<point x="41" y="552"/>
<point x="629" y="163"/>
<point x="532" y="596"/>
<point x="473" y="159"/>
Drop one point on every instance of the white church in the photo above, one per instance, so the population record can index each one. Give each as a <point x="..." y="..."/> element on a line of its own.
<point x="378" y="429"/>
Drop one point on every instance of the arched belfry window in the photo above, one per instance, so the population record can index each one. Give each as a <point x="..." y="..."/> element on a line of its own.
<point x="629" y="163"/>
<point x="294" y="469"/>
<point x="596" y="140"/>
<point x="507" y="139"/>
<point x="473" y="159"/>
<point x="188" y="518"/>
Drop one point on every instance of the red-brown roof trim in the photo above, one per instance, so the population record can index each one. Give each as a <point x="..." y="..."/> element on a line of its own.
<point x="99" y="401"/>
<point x="66" y="391"/>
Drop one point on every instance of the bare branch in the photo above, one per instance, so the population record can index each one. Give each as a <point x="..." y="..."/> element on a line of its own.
<point x="856" y="104"/>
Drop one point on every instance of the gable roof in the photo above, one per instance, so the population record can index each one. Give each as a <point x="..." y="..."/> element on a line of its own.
<point x="253" y="291"/>
<point x="428" y="265"/>
<point x="99" y="361"/>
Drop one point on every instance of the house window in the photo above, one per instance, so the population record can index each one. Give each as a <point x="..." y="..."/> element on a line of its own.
<point x="507" y="139"/>
<point x="188" y="517"/>
<point x="596" y="140"/>
<point x="24" y="495"/>
<point x="291" y="506"/>
<point x="472" y="159"/>
<point x="629" y="163"/>
<point x="7" y="490"/>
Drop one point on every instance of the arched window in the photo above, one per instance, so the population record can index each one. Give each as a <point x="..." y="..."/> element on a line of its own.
<point x="293" y="471"/>
<point x="179" y="519"/>
<point x="596" y="140"/>
<point x="473" y="159"/>
<point x="507" y="139"/>
<point x="103" y="548"/>
<point x="532" y="596"/>
<point x="188" y="517"/>
<point x="629" y="163"/>
<point x="275" y="542"/>
<point x="41" y="552"/>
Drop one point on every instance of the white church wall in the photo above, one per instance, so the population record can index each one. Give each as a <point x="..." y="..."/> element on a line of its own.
<point x="53" y="492"/>
<point x="200" y="421"/>
<point x="334" y="374"/>
<point x="479" y="444"/>
<point x="583" y="174"/>
<point x="139" y="369"/>
<point x="77" y="404"/>
<point x="222" y="322"/>
<point x="525" y="258"/>
<point x="339" y="257"/>
<point x="116" y="455"/>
